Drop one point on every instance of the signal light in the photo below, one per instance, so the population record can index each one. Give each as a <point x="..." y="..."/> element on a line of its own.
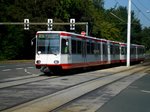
<point x="49" y="25"/>
<point x="72" y="25"/>
<point x="26" y="24"/>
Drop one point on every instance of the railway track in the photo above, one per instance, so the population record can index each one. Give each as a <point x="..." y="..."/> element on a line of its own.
<point x="67" y="93"/>
<point x="23" y="80"/>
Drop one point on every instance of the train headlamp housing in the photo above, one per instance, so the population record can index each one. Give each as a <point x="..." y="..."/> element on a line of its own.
<point x="38" y="61"/>
<point x="56" y="61"/>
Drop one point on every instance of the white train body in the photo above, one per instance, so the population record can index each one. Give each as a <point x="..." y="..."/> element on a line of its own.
<point x="57" y="50"/>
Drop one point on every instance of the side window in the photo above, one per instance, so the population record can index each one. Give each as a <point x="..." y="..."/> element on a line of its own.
<point x="117" y="50"/>
<point x="104" y="49"/>
<point x="131" y="51"/>
<point x="96" y="49"/>
<point x="122" y="50"/>
<point x="74" y="46"/>
<point x="79" y="47"/>
<point x="88" y="47"/>
<point x="64" y="46"/>
<point x="111" y="49"/>
<point x="125" y="50"/>
<point x="92" y="48"/>
<point x="134" y="51"/>
<point x="99" y="48"/>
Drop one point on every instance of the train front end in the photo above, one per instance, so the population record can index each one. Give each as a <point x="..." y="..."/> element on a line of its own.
<point x="47" y="56"/>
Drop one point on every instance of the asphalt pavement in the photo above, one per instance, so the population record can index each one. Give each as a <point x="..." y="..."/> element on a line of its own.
<point x="12" y="70"/>
<point x="135" y="98"/>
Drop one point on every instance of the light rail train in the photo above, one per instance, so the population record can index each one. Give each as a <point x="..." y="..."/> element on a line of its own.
<point x="60" y="50"/>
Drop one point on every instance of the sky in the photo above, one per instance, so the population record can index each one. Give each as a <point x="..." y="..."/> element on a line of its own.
<point x="141" y="9"/>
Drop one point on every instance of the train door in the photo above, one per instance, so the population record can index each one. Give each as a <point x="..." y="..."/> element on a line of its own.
<point x="112" y="52"/>
<point x="105" y="52"/>
<point x="78" y="51"/>
<point x="65" y="50"/>
<point x="136" y="53"/>
<point x="95" y="51"/>
<point x="109" y="52"/>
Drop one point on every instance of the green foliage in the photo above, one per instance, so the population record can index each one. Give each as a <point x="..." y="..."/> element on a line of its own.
<point x="118" y="18"/>
<point x="15" y="42"/>
<point x="146" y="38"/>
<point x="108" y="31"/>
<point x="11" y="43"/>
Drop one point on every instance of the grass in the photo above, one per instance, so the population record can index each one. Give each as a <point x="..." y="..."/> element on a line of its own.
<point x="16" y="61"/>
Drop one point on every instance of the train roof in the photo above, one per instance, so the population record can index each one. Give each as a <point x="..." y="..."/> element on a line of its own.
<point x="53" y="32"/>
<point x="88" y="37"/>
<point x="74" y="34"/>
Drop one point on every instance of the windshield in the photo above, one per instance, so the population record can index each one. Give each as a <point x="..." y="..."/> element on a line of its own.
<point x="48" y="43"/>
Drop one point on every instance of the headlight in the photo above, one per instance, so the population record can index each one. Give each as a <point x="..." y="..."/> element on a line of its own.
<point x="38" y="61"/>
<point x="56" y="61"/>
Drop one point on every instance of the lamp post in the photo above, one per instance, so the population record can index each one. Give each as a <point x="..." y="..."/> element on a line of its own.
<point x="129" y="33"/>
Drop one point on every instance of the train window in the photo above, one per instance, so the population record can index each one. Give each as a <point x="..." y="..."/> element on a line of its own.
<point x="131" y="51"/>
<point x="111" y="49"/>
<point x="117" y="50"/>
<point x="141" y="51"/>
<point x="92" y="48"/>
<point x="79" y="47"/>
<point x="96" y="49"/>
<point x="48" y="43"/>
<point x="74" y="46"/>
<point x="99" y="48"/>
<point x="104" y="49"/>
<point x="134" y="50"/>
<point x="65" y="46"/>
<point x="88" y="47"/>
<point x="122" y="50"/>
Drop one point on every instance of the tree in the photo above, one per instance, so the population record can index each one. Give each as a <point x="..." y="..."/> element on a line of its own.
<point x="118" y="17"/>
<point x="146" y="38"/>
<point x="101" y="23"/>
<point x="11" y="44"/>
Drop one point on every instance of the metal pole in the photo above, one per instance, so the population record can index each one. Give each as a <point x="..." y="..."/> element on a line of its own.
<point x="87" y="29"/>
<point x="41" y="23"/>
<point x="129" y="33"/>
<point x="117" y="17"/>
